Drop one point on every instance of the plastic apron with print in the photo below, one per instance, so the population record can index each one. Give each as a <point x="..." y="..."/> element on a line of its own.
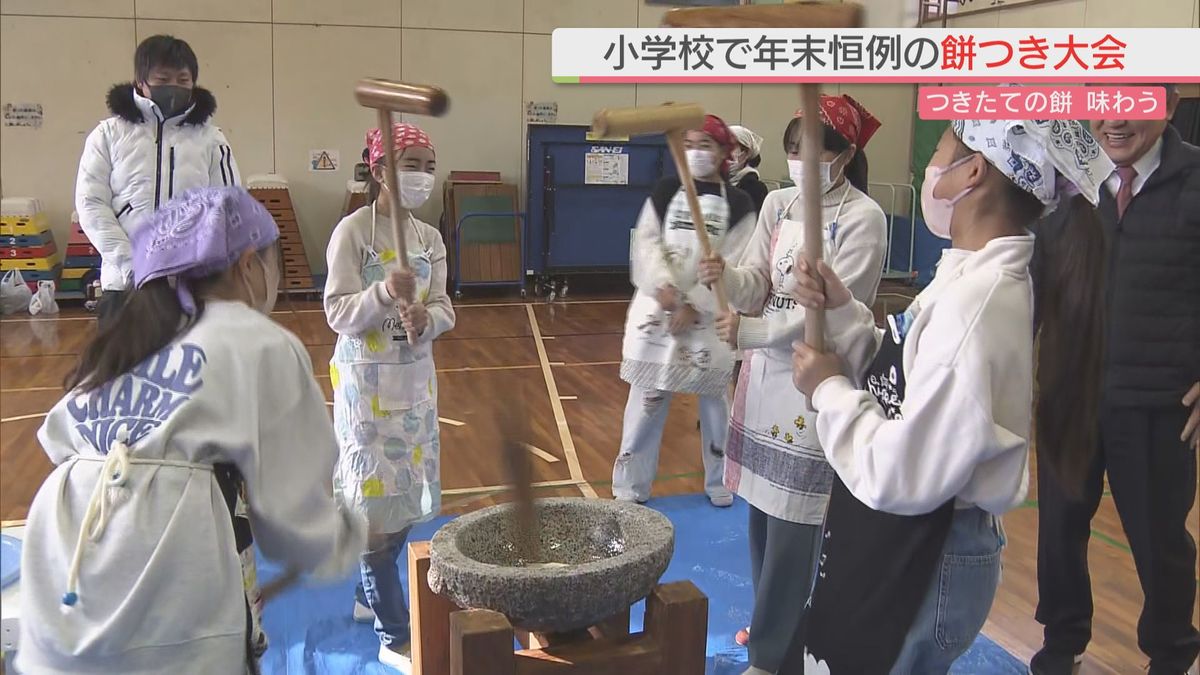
<point x="863" y="550"/>
<point x="774" y="459"/>
<point x="385" y="409"/>
<point x="673" y="357"/>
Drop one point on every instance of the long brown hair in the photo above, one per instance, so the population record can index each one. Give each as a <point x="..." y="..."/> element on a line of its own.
<point x="1070" y="308"/>
<point x="149" y="320"/>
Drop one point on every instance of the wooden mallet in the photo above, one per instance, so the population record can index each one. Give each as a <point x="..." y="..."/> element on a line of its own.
<point x="389" y="97"/>
<point x="671" y="120"/>
<point x="789" y="15"/>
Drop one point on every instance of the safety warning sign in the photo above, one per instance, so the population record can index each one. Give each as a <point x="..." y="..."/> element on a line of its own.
<point x="323" y="160"/>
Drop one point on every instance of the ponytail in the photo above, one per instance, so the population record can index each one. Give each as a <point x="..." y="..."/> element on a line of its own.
<point x="149" y="320"/>
<point x="1070" y="306"/>
<point x="856" y="171"/>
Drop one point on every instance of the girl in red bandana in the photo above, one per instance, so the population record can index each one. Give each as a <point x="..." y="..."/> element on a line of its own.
<point x="773" y="458"/>
<point x="384" y="387"/>
<point x="671" y="342"/>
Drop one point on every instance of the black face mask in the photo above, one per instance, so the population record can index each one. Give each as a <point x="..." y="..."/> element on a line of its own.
<point x="171" y="99"/>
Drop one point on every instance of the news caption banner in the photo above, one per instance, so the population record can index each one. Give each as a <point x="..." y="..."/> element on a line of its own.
<point x="1121" y="66"/>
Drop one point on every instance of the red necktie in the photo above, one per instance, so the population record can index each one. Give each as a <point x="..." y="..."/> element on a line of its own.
<point x="1125" y="192"/>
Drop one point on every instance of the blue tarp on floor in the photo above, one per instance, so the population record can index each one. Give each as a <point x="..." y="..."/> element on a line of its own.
<point x="311" y="630"/>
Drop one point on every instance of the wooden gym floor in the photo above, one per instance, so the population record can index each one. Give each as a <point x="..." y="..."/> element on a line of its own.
<point x="555" y="365"/>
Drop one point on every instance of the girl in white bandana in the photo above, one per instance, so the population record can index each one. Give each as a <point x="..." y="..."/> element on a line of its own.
<point x="927" y="421"/>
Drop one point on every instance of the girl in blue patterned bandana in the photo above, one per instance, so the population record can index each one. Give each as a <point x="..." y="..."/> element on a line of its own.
<point x="384" y="388"/>
<point x="927" y="421"/>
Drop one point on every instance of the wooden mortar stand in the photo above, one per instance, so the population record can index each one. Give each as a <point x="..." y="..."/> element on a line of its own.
<point x="447" y="640"/>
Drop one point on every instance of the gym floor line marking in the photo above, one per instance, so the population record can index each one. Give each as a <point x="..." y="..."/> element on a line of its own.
<point x="19" y="418"/>
<point x="541" y="454"/>
<point x="564" y="429"/>
<point x="445" y="420"/>
<point x="281" y="312"/>
<point x="465" y="369"/>
<point x="583" y="364"/>
<point x="20" y="390"/>
<point x="485" y="489"/>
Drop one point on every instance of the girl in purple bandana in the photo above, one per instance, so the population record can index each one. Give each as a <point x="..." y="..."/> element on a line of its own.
<point x="131" y="556"/>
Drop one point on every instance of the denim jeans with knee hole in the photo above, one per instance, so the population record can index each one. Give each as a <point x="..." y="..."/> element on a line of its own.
<point x="380" y="587"/>
<point x="642" y="436"/>
<point x="959" y="597"/>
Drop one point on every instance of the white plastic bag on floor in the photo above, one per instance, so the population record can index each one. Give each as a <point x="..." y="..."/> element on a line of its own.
<point x="43" y="301"/>
<point x="14" y="294"/>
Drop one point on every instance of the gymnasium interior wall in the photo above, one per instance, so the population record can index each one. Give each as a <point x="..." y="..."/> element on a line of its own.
<point x="283" y="73"/>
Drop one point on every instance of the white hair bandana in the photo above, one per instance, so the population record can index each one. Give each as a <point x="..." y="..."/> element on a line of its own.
<point x="1046" y="158"/>
<point x="747" y="138"/>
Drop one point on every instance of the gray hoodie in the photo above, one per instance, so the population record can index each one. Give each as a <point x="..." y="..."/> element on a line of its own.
<point x="159" y="581"/>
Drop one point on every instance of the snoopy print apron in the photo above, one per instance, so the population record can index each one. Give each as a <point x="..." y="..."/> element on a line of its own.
<point x="773" y="458"/>
<point x="695" y="361"/>
<point x="874" y="568"/>
<point x="385" y="410"/>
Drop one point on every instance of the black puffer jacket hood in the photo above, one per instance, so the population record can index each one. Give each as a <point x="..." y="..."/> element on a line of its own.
<point x="120" y="103"/>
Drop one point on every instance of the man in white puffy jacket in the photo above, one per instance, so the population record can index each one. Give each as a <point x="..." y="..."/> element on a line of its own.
<point x="158" y="144"/>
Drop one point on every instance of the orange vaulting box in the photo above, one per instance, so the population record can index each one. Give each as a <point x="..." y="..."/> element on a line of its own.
<point x="272" y="192"/>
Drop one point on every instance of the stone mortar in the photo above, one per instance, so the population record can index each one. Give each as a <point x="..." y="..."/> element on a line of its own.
<point x="597" y="557"/>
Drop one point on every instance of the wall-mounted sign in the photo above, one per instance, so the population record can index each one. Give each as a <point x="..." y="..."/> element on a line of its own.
<point x="23" y="115"/>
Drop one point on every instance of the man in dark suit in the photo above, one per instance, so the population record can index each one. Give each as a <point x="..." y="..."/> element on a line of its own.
<point x="1149" y="404"/>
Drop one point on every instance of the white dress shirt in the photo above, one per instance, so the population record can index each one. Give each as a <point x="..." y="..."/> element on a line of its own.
<point x="1146" y="165"/>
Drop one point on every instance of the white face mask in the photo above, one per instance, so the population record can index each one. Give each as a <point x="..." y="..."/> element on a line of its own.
<point x="415" y="188"/>
<point x="270" y="282"/>
<point x="796" y="173"/>
<point x="701" y="163"/>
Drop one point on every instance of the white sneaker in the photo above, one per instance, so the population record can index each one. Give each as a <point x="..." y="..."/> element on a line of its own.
<point x="362" y="613"/>
<point x="724" y="500"/>
<point x="629" y="499"/>
<point x="399" y="658"/>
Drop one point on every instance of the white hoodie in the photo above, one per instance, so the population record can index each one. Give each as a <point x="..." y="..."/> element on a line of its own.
<point x="965" y="420"/>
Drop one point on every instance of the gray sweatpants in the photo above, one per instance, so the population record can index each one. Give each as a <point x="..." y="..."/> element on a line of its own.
<point x="783" y="558"/>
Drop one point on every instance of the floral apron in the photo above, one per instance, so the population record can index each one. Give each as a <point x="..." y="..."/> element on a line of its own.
<point x="385" y="410"/>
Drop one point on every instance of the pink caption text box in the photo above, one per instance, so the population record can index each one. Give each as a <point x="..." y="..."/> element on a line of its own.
<point x="957" y="102"/>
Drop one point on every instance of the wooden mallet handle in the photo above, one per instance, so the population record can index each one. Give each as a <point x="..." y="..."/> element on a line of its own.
<point x="675" y="143"/>
<point x="671" y="120"/>
<point x="393" y="190"/>
<point x="810" y="157"/>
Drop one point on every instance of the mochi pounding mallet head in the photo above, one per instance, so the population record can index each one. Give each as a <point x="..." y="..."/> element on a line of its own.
<point x="671" y="120"/>
<point x="789" y="15"/>
<point x="389" y="97"/>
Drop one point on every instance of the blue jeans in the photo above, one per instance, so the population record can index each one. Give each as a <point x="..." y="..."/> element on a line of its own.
<point x="642" y="434"/>
<point x="380" y="587"/>
<point x="959" y="597"/>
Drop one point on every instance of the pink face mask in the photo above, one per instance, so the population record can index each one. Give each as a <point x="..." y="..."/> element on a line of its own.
<point x="938" y="212"/>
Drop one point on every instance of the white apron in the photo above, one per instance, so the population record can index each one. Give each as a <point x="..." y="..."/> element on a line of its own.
<point x="385" y="410"/>
<point x="695" y="361"/>
<point x="773" y="458"/>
